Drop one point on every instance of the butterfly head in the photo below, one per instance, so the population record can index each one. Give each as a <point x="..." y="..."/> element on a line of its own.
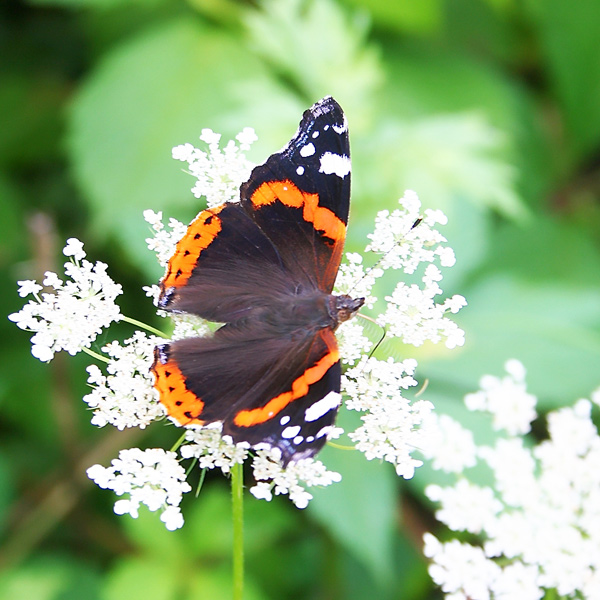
<point x="344" y="307"/>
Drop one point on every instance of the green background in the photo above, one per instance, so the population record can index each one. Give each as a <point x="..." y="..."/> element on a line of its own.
<point x="489" y="109"/>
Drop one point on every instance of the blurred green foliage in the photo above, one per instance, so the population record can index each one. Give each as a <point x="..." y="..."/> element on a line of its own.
<point x="489" y="109"/>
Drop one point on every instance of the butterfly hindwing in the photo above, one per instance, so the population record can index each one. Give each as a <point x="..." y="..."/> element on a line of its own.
<point x="252" y="385"/>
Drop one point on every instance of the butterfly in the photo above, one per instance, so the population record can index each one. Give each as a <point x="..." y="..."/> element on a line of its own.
<point x="265" y="267"/>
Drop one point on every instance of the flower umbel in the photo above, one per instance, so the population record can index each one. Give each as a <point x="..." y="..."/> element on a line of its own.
<point x="75" y="312"/>
<point x="219" y="172"/>
<point x="539" y="520"/>
<point x="125" y="397"/>
<point x="152" y="477"/>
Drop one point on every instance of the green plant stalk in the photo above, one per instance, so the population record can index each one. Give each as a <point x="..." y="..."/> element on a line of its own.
<point x="237" y="504"/>
<point x="142" y="325"/>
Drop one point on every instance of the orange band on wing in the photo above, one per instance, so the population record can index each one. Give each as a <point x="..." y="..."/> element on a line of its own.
<point x="181" y="404"/>
<point x="247" y="418"/>
<point x="287" y="193"/>
<point x="199" y="236"/>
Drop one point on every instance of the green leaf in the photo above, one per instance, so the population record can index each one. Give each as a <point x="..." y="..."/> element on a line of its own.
<point x="404" y="15"/>
<point x="569" y="37"/>
<point x="154" y="92"/>
<point x="360" y="511"/>
<point x="553" y="329"/>
<point x="97" y="4"/>
<point x="50" y="578"/>
<point x="445" y="158"/>
<point x="143" y="577"/>
<point x="425" y="81"/>
<point x="318" y="47"/>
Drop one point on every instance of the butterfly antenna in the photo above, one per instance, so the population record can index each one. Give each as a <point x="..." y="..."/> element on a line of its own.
<point x="382" y="257"/>
<point x="384" y="332"/>
<point x="423" y="388"/>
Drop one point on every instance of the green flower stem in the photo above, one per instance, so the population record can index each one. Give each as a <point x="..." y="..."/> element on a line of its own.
<point x="143" y="326"/>
<point x="96" y="355"/>
<point x="178" y="443"/>
<point x="237" y="498"/>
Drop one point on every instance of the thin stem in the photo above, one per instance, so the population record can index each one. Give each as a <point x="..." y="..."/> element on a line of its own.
<point x="178" y="443"/>
<point x="340" y="446"/>
<point x="143" y="326"/>
<point x="96" y="355"/>
<point x="237" y="501"/>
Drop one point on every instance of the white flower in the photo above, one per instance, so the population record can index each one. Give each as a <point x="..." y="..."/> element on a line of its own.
<point x="219" y="172"/>
<point x="413" y="316"/>
<point x="460" y="569"/>
<point x="212" y="450"/>
<point x="542" y="524"/>
<point x="448" y="444"/>
<point x="507" y="399"/>
<point x="353" y="280"/>
<point x="165" y="239"/>
<point x="390" y="427"/>
<point x="352" y="342"/>
<point x="28" y="287"/>
<point x="465" y="507"/>
<point x="272" y="478"/>
<point x="73" y="315"/>
<point x="517" y="582"/>
<point x="406" y="239"/>
<point x="152" y="477"/>
<point x="125" y="397"/>
<point x="74" y="248"/>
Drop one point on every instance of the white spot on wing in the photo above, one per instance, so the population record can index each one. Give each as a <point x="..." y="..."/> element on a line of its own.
<point x="341" y="129"/>
<point x="298" y="440"/>
<point x="336" y="164"/>
<point x="284" y="420"/>
<point x="315" y="134"/>
<point x="300" y="170"/>
<point x="324" y="431"/>
<point x="307" y="150"/>
<point x="290" y="432"/>
<point x="323" y="406"/>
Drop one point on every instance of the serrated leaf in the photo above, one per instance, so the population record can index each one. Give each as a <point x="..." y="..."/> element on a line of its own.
<point x="444" y="158"/>
<point x="318" y="47"/>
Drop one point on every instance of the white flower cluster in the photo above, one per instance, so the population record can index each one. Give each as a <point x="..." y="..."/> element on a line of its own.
<point x="126" y="396"/>
<point x="540" y="520"/>
<point x="406" y="240"/>
<point x="75" y="312"/>
<point x="213" y="450"/>
<point x="390" y="427"/>
<point x="164" y="240"/>
<point x="273" y="479"/>
<point x="219" y="173"/>
<point x="152" y="477"/>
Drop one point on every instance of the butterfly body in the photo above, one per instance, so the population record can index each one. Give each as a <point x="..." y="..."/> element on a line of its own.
<point x="265" y="268"/>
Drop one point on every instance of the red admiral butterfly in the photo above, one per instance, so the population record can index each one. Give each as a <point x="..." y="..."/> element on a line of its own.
<point x="265" y="267"/>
